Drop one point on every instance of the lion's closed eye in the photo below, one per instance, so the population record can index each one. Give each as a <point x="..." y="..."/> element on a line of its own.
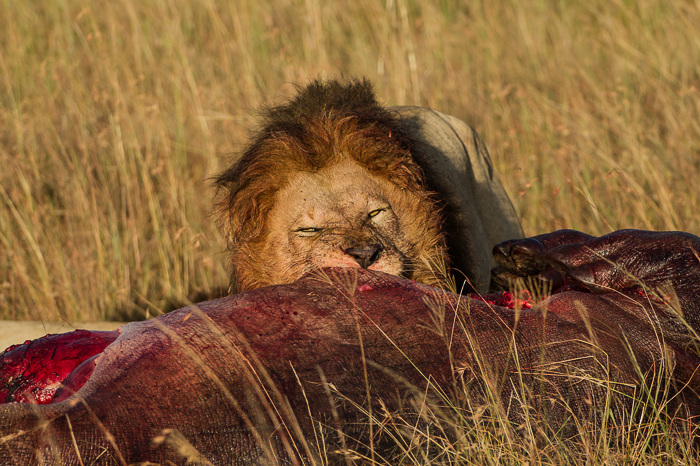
<point x="309" y="230"/>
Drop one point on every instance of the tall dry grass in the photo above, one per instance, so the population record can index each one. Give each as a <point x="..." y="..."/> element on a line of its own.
<point x="113" y="116"/>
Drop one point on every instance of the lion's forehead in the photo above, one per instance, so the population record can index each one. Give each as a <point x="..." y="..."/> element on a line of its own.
<point x="344" y="190"/>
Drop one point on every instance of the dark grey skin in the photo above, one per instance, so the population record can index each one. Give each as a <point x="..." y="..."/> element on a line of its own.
<point x="239" y="380"/>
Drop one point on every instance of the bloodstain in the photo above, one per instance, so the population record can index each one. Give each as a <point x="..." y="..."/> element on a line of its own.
<point x="33" y="371"/>
<point x="523" y="300"/>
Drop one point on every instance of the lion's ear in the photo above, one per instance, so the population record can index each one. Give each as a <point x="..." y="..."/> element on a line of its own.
<point x="233" y="227"/>
<point x="223" y="215"/>
<point x="245" y="216"/>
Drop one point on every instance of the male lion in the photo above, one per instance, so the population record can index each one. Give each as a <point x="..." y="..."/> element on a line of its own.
<point x="333" y="179"/>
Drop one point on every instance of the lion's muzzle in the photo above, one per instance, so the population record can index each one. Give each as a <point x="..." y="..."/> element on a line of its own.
<point x="365" y="255"/>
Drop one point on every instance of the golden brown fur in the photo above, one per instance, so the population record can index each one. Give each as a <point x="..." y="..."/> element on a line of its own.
<point x="332" y="138"/>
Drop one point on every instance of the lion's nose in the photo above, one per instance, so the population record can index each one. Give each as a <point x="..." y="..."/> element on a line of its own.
<point x="365" y="255"/>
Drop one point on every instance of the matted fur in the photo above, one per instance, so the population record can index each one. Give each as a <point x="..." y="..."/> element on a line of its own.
<point x="325" y="124"/>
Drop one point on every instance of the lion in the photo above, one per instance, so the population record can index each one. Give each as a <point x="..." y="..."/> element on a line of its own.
<point x="333" y="179"/>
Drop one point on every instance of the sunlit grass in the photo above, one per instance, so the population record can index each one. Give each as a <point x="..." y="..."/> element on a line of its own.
<point x="114" y="115"/>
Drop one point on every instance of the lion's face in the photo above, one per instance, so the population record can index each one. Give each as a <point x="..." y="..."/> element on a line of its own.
<point x="329" y="180"/>
<point x="342" y="216"/>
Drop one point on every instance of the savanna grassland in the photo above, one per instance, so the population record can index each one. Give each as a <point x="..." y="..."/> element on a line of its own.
<point x="115" y="115"/>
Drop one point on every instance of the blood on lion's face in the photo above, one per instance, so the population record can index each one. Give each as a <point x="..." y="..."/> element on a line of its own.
<point x="341" y="216"/>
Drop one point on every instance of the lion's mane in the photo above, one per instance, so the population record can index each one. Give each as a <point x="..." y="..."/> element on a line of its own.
<point x="324" y="123"/>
